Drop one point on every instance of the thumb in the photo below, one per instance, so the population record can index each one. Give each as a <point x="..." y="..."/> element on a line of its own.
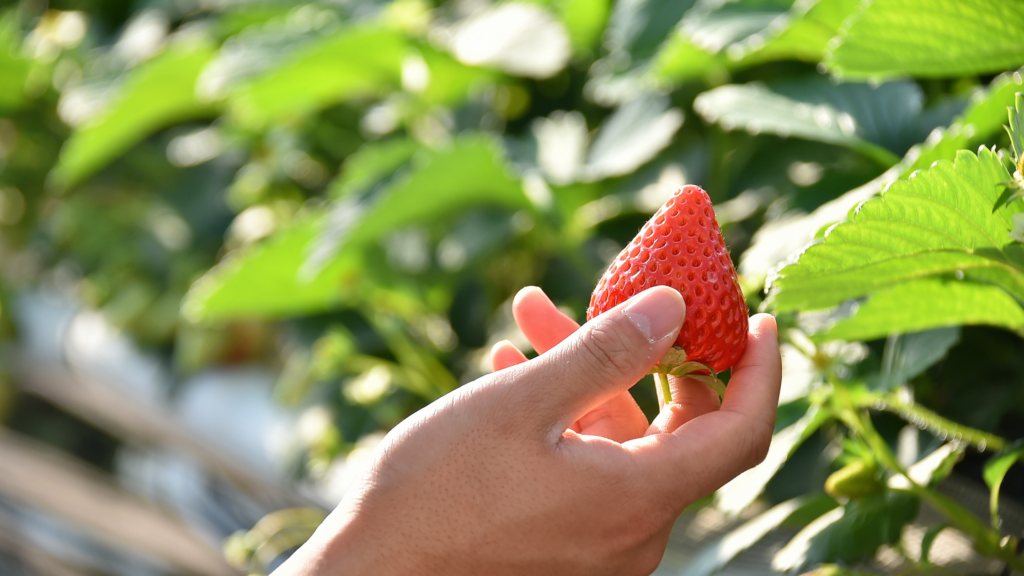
<point x="604" y="357"/>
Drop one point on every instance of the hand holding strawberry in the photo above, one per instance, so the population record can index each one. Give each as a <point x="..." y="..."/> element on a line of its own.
<point x="491" y="479"/>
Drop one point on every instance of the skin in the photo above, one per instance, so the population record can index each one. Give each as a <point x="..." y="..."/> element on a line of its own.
<point x="547" y="466"/>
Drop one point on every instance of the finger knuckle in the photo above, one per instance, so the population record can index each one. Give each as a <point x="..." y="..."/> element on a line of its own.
<point x="758" y="441"/>
<point x="610" y="349"/>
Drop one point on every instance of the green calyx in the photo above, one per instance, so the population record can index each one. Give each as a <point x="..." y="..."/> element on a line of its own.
<point x="675" y="363"/>
<point x="1016" y="132"/>
<point x="1014" y="187"/>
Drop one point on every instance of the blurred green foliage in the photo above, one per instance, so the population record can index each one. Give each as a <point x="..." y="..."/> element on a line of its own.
<point x="353" y="191"/>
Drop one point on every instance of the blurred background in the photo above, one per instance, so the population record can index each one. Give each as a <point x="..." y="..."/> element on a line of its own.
<point x="240" y="240"/>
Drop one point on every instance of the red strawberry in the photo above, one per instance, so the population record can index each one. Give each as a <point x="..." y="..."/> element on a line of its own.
<point x="681" y="246"/>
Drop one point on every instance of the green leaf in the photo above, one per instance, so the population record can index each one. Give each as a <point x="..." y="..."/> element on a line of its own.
<point x="705" y="42"/>
<point x="726" y="23"/>
<point x="745" y="488"/>
<point x="680" y="60"/>
<point x="927" y="540"/>
<point x="1016" y="127"/>
<point x="633" y="38"/>
<point x="373" y="162"/>
<point x="14" y="70"/>
<point x="850" y="533"/>
<point x="929" y="303"/>
<point x="714" y="556"/>
<point x="935" y="466"/>
<point x="317" y="263"/>
<point x="448" y="81"/>
<point x="470" y="171"/>
<point x="521" y="39"/>
<point x="1010" y="193"/>
<point x="735" y="35"/>
<point x="803" y="34"/>
<point x="1017" y="233"/>
<point x="875" y="121"/>
<point x="720" y="28"/>
<point x="263" y="281"/>
<point x="984" y="116"/>
<point x="584" y="20"/>
<point x="632" y="136"/>
<point x="711" y="39"/>
<point x="153" y="96"/>
<point x="930" y="39"/>
<point x="323" y="72"/>
<point x="255" y="51"/>
<point x="994" y="472"/>
<point x="779" y="242"/>
<point x="907" y="355"/>
<point x="938" y="222"/>
<point x="638" y="27"/>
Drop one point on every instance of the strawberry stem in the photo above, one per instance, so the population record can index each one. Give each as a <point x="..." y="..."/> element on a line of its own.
<point x="675" y="363"/>
<point x="666" y="392"/>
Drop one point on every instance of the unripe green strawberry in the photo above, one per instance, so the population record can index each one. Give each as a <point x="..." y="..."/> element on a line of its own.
<point x="853" y="481"/>
<point x="681" y="246"/>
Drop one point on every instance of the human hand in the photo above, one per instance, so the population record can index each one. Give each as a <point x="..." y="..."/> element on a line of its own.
<point x="491" y="479"/>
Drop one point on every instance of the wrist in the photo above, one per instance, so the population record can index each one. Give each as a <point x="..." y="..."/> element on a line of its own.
<point x="347" y="544"/>
<point x="333" y="549"/>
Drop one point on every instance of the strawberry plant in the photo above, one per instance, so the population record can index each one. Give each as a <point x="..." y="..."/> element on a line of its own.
<point x="343" y="198"/>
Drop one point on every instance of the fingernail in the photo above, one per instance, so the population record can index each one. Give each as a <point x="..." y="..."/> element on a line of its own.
<point x="657" y="312"/>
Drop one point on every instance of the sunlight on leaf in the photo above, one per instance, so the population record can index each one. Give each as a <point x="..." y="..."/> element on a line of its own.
<point x="938" y="222"/>
<point x="470" y="171"/>
<point x="521" y="39"/>
<point x="984" y="115"/>
<point x="631" y="136"/>
<point x="323" y="72"/>
<point x="263" y="281"/>
<point x="154" y="95"/>
<point x="584" y="20"/>
<point x="247" y="55"/>
<point x="561" y="145"/>
<point x="876" y="121"/>
<point x="714" y="556"/>
<point x="781" y="240"/>
<point x="931" y="469"/>
<point x="1017" y="233"/>
<point x="316" y="263"/>
<point x="720" y="37"/>
<point x="849" y="533"/>
<point x="930" y="39"/>
<point x="802" y="35"/>
<point x="14" y="71"/>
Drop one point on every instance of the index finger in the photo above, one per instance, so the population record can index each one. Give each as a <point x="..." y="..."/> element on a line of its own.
<point x="543" y="324"/>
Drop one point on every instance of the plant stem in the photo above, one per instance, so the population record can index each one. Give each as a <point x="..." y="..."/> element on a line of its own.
<point x="925" y="418"/>
<point x="666" y="391"/>
<point x="986" y="540"/>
